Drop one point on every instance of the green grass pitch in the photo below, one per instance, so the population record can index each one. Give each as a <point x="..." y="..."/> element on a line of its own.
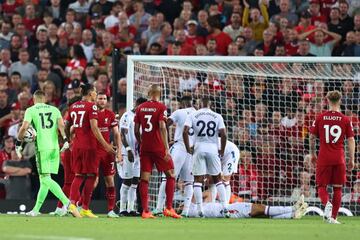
<point x="68" y="228"/>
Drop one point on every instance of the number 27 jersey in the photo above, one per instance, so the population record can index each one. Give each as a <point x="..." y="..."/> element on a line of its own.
<point x="206" y="124"/>
<point x="80" y="114"/>
<point x="332" y="128"/>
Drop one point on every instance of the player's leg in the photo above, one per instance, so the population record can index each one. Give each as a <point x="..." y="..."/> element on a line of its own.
<point x="107" y="165"/>
<point x="124" y="195"/>
<point x="186" y="175"/>
<point x="212" y="189"/>
<point x="132" y="195"/>
<point x="41" y="196"/>
<point x="79" y="178"/>
<point x="199" y="171"/>
<point x="146" y="168"/>
<point x="68" y="178"/>
<point x="160" y="202"/>
<point x="323" y="178"/>
<point x="227" y="168"/>
<point x="226" y="181"/>
<point x="338" y="180"/>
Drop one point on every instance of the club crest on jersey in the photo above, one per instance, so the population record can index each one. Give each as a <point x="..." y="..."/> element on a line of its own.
<point x="94" y="107"/>
<point x="106" y="120"/>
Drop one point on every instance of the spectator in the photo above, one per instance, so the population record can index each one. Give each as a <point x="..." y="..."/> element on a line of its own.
<point x="18" y="184"/>
<point x="202" y="20"/>
<point x="56" y="11"/>
<point x="345" y="19"/>
<point x="304" y="49"/>
<point x="140" y="18"/>
<point x="42" y="43"/>
<point x="5" y="62"/>
<point x="122" y="91"/>
<point x="164" y="37"/>
<point x="153" y="29"/>
<point x="350" y="97"/>
<point x="357" y="23"/>
<point x="30" y="20"/>
<point x="267" y="45"/>
<point x="112" y="20"/>
<point x="155" y="49"/>
<point x="316" y="16"/>
<point x="105" y="7"/>
<point x="233" y="49"/>
<point x="221" y="38"/>
<point x="78" y="60"/>
<point x="280" y="50"/>
<point x="291" y="41"/>
<point x="27" y="69"/>
<point x="211" y="46"/>
<point x="5" y="35"/>
<point x="192" y="38"/>
<point x="256" y="25"/>
<point x="234" y="29"/>
<point x="201" y="49"/>
<point x="349" y="45"/>
<point x="240" y="43"/>
<point x="354" y="196"/>
<point x="180" y="39"/>
<point x="250" y="42"/>
<point x="284" y="6"/>
<point x="305" y="23"/>
<point x="305" y="187"/>
<point x="15" y="46"/>
<point x="335" y="24"/>
<point x="87" y="44"/>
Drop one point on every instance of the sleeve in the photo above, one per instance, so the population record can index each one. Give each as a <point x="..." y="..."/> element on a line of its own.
<point x="174" y="117"/>
<point x="265" y="14"/>
<point x="93" y="111"/>
<point x="314" y="129"/>
<point x="163" y="113"/>
<point x="113" y="121"/>
<point x="188" y="121"/>
<point x="221" y="122"/>
<point x="245" y="19"/>
<point x="28" y="116"/>
<point x="349" y="129"/>
<point x="124" y="121"/>
<point x="57" y="113"/>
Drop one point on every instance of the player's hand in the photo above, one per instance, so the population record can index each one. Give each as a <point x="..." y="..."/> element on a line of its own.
<point x="119" y="158"/>
<point x="130" y="156"/>
<point x="65" y="147"/>
<point x="190" y="151"/>
<point x="110" y="149"/>
<point x="351" y="165"/>
<point x="313" y="159"/>
<point x="167" y="156"/>
<point x="221" y="153"/>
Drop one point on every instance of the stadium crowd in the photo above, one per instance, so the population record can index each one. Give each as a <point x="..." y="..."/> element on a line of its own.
<point x="57" y="45"/>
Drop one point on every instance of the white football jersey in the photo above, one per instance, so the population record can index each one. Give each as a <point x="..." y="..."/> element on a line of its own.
<point x="231" y="150"/>
<point x="179" y="118"/>
<point x="127" y="122"/>
<point x="206" y="124"/>
<point x="214" y="210"/>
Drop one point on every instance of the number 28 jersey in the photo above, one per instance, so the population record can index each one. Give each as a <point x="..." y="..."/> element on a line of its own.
<point x="148" y="115"/>
<point x="332" y="128"/>
<point x="206" y="124"/>
<point x="80" y="114"/>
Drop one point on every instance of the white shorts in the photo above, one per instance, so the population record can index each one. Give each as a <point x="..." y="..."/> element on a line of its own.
<point x="206" y="163"/>
<point x="129" y="170"/>
<point x="182" y="162"/>
<point x="240" y="210"/>
<point x="229" y="164"/>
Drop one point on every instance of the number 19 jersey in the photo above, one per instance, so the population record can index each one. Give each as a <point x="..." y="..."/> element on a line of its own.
<point x="332" y="128"/>
<point x="206" y="124"/>
<point x="44" y="118"/>
<point x="80" y="114"/>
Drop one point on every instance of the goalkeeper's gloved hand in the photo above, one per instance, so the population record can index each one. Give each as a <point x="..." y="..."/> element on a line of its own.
<point x="18" y="148"/>
<point x="65" y="146"/>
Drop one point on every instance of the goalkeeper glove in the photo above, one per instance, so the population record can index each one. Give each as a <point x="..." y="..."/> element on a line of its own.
<point x="18" y="148"/>
<point x="65" y="146"/>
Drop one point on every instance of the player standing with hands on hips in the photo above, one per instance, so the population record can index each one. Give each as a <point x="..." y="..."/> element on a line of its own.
<point x="332" y="127"/>
<point x="151" y="117"/>
<point x="207" y="125"/>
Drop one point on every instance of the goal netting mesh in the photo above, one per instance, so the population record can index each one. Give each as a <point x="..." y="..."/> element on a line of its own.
<point x="268" y="108"/>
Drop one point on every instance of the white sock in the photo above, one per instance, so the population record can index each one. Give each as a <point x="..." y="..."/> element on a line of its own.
<point x="222" y="194"/>
<point x="213" y="192"/>
<point x="188" y="192"/>
<point x="284" y="216"/>
<point x="124" y="190"/>
<point x="228" y="191"/>
<point x="131" y="198"/>
<point x="274" y="211"/>
<point x="162" y="196"/>
<point x="198" y="196"/>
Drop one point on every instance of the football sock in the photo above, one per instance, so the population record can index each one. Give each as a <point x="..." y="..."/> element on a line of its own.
<point x="228" y="191"/>
<point x="162" y="196"/>
<point x="41" y="196"/>
<point x="188" y="192"/>
<point x="323" y="194"/>
<point x="169" y="189"/>
<point x="222" y="194"/>
<point x="336" y="201"/>
<point x="124" y="194"/>
<point x="198" y="196"/>
<point x="87" y="191"/>
<point x="274" y="211"/>
<point x="55" y="189"/>
<point x="110" y="196"/>
<point x="284" y="216"/>
<point x="213" y="192"/>
<point x="144" y="188"/>
<point x="75" y="188"/>
<point x="131" y="198"/>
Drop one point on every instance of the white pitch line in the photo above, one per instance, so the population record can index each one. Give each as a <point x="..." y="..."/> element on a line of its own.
<point x="51" y="237"/>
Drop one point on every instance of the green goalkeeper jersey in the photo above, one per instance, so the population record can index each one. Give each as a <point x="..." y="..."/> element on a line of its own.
<point x="44" y="119"/>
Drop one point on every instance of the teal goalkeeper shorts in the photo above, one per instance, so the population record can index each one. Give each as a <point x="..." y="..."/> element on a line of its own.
<point x="48" y="161"/>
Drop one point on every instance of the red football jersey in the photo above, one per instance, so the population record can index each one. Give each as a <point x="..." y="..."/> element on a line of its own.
<point x="332" y="128"/>
<point x="106" y="121"/>
<point x="148" y="115"/>
<point x="80" y="114"/>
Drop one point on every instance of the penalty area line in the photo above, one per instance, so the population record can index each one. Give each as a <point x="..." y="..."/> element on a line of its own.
<point x="50" y="237"/>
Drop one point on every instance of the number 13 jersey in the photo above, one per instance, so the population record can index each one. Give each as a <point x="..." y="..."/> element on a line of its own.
<point x="206" y="124"/>
<point x="80" y="114"/>
<point x="332" y="128"/>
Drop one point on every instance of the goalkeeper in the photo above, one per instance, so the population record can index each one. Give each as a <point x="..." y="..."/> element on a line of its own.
<point x="46" y="120"/>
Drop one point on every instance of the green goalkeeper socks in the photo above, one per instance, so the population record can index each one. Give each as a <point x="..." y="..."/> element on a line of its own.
<point x="43" y="192"/>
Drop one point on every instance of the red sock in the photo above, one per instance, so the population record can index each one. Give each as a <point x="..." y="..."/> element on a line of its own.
<point x="144" y="188"/>
<point x="87" y="191"/>
<point x="336" y="201"/>
<point x="110" y="196"/>
<point x="323" y="195"/>
<point x="75" y="188"/>
<point x="169" y="189"/>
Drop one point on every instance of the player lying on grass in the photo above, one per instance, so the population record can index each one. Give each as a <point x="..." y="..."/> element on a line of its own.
<point x="251" y="210"/>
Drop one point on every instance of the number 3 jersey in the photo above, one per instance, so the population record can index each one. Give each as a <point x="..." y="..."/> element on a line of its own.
<point x="44" y="118"/>
<point x="206" y="124"/>
<point x="148" y="115"/>
<point x="79" y="116"/>
<point x="332" y="128"/>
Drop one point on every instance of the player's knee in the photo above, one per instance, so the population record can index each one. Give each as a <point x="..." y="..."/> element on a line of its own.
<point x="109" y="181"/>
<point x="226" y="178"/>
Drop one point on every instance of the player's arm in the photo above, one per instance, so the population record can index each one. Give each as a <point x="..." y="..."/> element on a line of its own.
<point x="67" y="129"/>
<point x="127" y="147"/>
<point x="351" y="149"/>
<point x="312" y="148"/>
<point x="25" y="125"/>
<point x="169" y="123"/>
<point x="185" y="135"/>
<point x="164" y="137"/>
<point x="137" y="132"/>
<point x="61" y="127"/>
<point x="96" y="131"/>
<point x="223" y="139"/>
<point x="118" y="143"/>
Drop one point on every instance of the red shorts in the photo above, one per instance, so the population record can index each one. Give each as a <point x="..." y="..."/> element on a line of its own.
<point x="333" y="174"/>
<point x="84" y="161"/>
<point x="107" y="163"/>
<point x="148" y="159"/>
<point x="68" y="170"/>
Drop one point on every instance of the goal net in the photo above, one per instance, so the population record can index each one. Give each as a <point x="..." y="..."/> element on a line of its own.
<point x="268" y="105"/>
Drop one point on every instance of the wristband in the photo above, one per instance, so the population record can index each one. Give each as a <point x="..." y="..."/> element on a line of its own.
<point x="128" y="148"/>
<point x="65" y="139"/>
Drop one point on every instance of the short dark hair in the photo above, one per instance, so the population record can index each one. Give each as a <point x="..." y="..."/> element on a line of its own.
<point x="214" y="22"/>
<point x="3" y="74"/>
<point x="155" y="44"/>
<point x="16" y="73"/>
<point x="86" y="89"/>
<point x="140" y="100"/>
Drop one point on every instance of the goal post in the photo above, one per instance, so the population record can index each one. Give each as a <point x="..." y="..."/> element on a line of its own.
<point x="268" y="104"/>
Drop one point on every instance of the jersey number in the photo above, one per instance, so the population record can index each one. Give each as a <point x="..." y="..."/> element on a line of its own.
<point x="334" y="131"/>
<point x="46" y="121"/>
<point x="149" y="126"/>
<point x="77" y="116"/>
<point x="210" y="128"/>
